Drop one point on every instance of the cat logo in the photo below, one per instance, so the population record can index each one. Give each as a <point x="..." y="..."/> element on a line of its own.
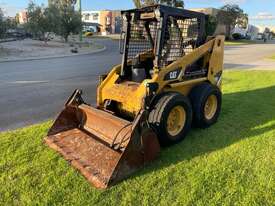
<point x="172" y="75"/>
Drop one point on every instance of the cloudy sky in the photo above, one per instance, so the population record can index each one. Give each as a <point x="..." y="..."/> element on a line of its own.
<point x="261" y="12"/>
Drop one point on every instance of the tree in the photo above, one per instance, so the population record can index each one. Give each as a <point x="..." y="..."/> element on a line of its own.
<point x="267" y="30"/>
<point x="66" y="19"/>
<point x="175" y="3"/>
<point x="231" y="15"/>
<point x="10" y="23"/>
<point x="5" y="24"/>
<point x="17" y="18"/>
<point x="243" y="21"/>
<point x="211" y="25"/>
<point x="60" y="17"/>
<point x="38" y="24"/>
<point x="2" y="26"/>
<point x="1" y="15"/>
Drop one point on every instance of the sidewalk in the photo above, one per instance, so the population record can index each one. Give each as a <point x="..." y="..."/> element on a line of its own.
<point x="33" y="49"/>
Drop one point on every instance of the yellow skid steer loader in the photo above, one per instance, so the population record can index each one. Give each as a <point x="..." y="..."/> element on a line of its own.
<point x="170" y="77"/>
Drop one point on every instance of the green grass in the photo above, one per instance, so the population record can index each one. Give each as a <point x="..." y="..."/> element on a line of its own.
<point x="231" y="163"/>
<point x="239" y="42"/>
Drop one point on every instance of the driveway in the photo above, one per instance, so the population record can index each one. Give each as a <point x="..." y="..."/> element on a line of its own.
<point x="35" y="91"/>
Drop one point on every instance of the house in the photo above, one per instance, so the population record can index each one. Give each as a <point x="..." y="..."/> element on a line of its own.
<point x="22" y="17"/>
<point x="248" y="30"/>
<point x="91" y="21"/>
<point x="104" y="22"/>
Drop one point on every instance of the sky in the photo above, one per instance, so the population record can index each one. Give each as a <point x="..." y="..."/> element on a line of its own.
<point x="261" y="12"/>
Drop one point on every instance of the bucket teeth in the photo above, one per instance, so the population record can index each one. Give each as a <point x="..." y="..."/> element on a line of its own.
<point x="103" y="147"/>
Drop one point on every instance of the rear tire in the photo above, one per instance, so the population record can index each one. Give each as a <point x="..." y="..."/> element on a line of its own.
<point x="171" y="118"/>
<point x="206" y="101"/>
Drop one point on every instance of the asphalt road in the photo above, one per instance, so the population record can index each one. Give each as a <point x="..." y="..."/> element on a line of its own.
<point x="252" y="56"/>
<point x="35" y="91"/>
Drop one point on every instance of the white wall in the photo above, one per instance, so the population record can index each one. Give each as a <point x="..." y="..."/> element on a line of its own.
<point x="253" y="31"/>
<point x="91" y="16"/>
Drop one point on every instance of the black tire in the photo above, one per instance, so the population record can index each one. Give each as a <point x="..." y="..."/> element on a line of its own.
<point x="199" y="96"/>
<point x="159" y="114"/>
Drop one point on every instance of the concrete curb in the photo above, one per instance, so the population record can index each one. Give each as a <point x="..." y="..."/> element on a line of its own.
<point x="53" y="57"/>
<point x="7" y="40"/>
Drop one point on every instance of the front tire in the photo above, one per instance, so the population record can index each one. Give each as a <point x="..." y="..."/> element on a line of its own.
<point x="171" y="118"/>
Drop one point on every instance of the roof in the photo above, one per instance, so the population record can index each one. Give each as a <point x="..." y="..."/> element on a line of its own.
<point x="167" y="10"/>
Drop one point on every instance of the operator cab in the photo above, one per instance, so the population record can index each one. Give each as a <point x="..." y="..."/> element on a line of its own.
<point x="154" y="37"/>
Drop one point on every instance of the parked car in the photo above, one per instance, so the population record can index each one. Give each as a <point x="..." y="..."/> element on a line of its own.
<point x="88" y="34"/>
<point x="28" y="35"/>
<point x="260" y="36"/>
<point x="237" y="36"/>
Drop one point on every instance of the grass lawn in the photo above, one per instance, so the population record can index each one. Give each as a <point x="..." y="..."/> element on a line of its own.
<point x="239" y="42"/>
<point x="231" y="163"/>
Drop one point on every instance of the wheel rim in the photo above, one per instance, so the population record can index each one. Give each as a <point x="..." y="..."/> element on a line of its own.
<point x="210" y="107"/>
<point x="176" y="120"/>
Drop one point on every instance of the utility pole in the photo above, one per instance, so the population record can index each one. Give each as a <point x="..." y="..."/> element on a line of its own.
<point x="80" y="11"/>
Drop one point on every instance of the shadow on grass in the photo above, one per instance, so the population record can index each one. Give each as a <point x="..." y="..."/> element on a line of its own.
<point x="244" y="115"/>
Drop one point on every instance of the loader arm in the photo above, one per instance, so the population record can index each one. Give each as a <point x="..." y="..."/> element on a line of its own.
<point x="212" y="51"/>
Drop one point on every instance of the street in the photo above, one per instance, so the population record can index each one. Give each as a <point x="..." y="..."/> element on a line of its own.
<point x="252" y="56"/>
<point x="35" y="91"/>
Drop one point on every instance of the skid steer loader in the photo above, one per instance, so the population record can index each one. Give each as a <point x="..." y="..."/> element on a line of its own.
<point x="170" y="77"/>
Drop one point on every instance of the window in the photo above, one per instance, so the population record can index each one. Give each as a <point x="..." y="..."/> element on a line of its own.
<point x="95" y="17"/>
<point x="87" y="17"/>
